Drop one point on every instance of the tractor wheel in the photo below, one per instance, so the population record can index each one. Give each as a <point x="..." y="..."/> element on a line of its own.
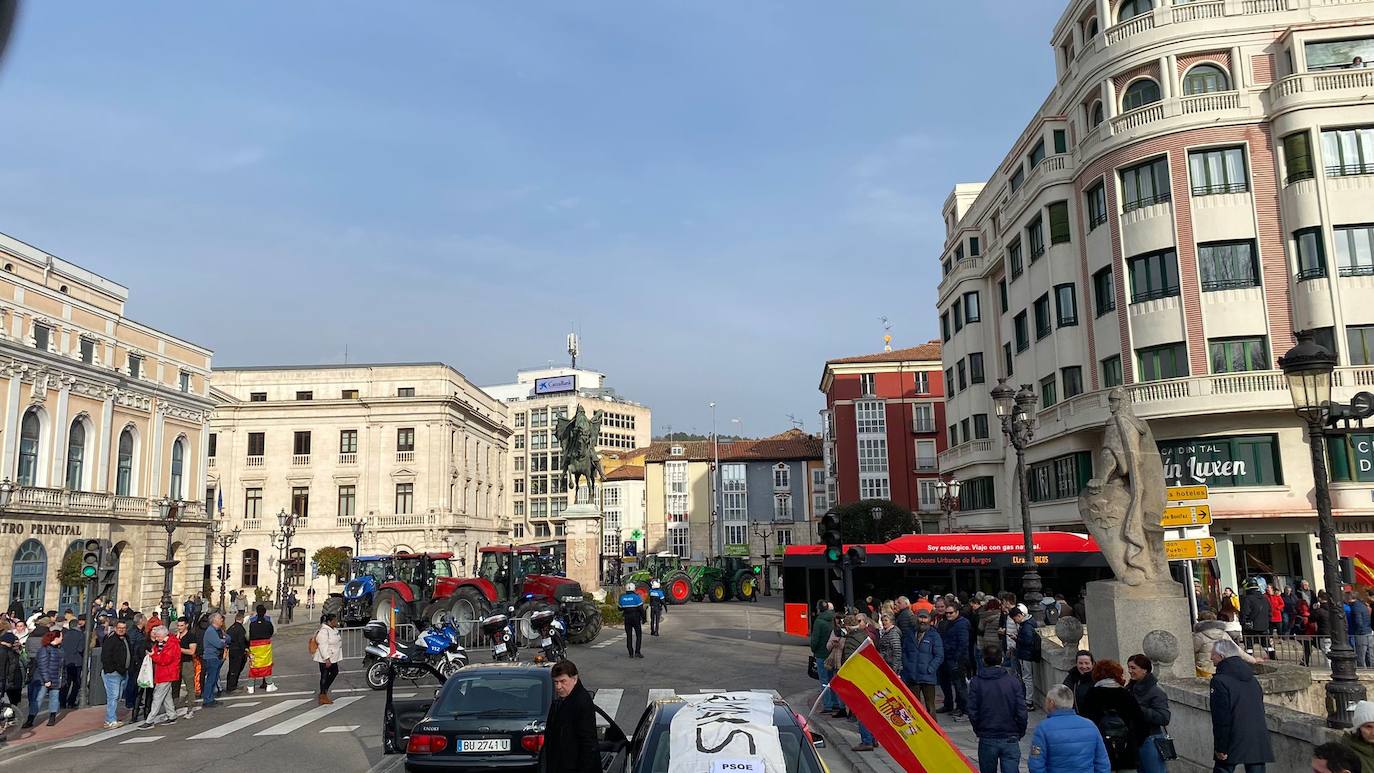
<point x="387" y="600"/>
<point x="333" y="606"/>
<point x="584" y="623"/>
<point x="745" y="586"/>
<point x="523" y="625"/>
<point x="469" y="607"/>
<point x="434" y="613"/>
<point x="678" y="588"/>
<point x="716" y="591"/>
<point x="643" y="592"/>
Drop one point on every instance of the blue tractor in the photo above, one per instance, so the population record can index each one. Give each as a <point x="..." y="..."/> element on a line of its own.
<point x="354" y="605"/>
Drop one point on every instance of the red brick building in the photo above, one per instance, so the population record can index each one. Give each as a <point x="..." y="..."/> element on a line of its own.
<point x="883" y="418"/>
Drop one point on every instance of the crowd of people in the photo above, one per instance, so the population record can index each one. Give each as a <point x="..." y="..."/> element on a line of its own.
<point x="972" y="658"/>
<point x="155" y="670"/>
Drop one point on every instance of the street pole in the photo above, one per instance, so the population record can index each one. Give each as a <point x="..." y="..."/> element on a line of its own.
<point x="171" y="514"/>
<point x="1018" y="424"/>
<point x="715" y="487"/>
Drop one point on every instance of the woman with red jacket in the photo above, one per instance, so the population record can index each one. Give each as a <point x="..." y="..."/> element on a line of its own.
<point x="165" y="651"/>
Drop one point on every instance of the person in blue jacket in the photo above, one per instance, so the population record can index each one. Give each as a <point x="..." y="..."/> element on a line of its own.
<point x="632" y="610"/>
<point x="1064" y="742"/>
<point x="955" y="633"/>
<point x="658" y="604"/>
<point x="922" y="653"/>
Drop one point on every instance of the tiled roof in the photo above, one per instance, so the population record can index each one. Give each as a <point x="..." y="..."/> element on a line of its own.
<point x="627" y="472"/>
<point x="790" y="445"/>
<point x="924" y="352"/>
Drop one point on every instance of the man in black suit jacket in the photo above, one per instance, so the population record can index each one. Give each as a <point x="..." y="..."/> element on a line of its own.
<point x="570" y="734"/>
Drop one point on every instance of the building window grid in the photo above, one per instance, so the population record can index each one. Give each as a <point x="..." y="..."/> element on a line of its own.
<point x="1218" y="170"/>
<point x="1227" y="265"/>
<point x="1066" y="305"/>
<point x="1097" y="205"/>
<point x="1153" y="276"/>
<point x="1104" y="291"/>
<point x="871" y="417"/>
<point x="1238" y="355"/>
<point x="1145" y="184"/>
<point x="1311" y="253"/>
<point x="1354" y="249"/>
<point x="1348" y="151"/>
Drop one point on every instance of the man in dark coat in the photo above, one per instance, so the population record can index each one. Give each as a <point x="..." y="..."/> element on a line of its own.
<point x="238" y="653"/>
<point x="570" y="732"/>
<point x="997" y="711"/>
<point x="1254" y="613"/>
<point x="955" y="633"/>
<point x="1240" y="735"/>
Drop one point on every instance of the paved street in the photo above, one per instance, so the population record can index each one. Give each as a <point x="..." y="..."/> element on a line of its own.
<point x="703" y="647"/>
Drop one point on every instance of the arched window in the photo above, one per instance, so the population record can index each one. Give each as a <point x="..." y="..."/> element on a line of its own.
<point x="249" y="576"/>
<point x="178" y="462"/>
<point x="29" y="575"/>
<point x="1095" y="114"/>
<point x="295" y="567"/>
<point x="1205" y="79"/>
<point x="29" y="433"/>
<point x="76" y="454"/>
<point x="1133" y="8"/>
<point x="1090" y="29"/>
<point x="124" y="475"/>
<point x="70" y="596"/>
<point x="1139" y="94"/>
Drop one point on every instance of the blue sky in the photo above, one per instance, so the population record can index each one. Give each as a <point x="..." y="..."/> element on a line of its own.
<point x="719" y="195"/>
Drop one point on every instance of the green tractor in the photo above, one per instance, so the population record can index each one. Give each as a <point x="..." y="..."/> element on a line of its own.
<point x="723" y="579"/>
<point x="668" y="570"/>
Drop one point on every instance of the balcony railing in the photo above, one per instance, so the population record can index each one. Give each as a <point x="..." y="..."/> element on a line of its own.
<point x="254" y="461"/>
<point x="957" y="453"/>
<point x="1219" y="188"/>
<point x="405" y="456"/>
<point x="349" y="458"/>
<point x="252" y="523"/>
<point x="1196" y="11"/>
<point x="1324" y="81"/>
<point x="1147" y="201"/>
<point x="1349" y="170"/>
<point x="1207" y="103"/>
<point x="300" y="460"/>
<point x="66" y="501"/>
<point x="1311" y="272"/>
<point x="1366" y="270"/>
<point x="1130" y="27"/>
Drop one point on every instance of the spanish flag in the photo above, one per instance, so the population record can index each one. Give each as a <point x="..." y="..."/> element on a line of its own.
<point x="895" y="717"/>
<point x="260" y="658"/>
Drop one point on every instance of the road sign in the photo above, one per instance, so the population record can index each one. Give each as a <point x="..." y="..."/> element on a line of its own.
<point x="1187" y="493"/>
<point x="1186" y="515"/>
<point x="1189" y="549"/>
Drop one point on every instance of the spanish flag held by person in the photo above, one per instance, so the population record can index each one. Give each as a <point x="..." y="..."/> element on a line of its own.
<point x="876" y="695"/>
<point x="260" y="630"/>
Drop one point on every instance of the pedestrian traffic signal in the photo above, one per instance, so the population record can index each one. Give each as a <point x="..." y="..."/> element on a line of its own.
<point x="857" y="555"/>
<point x="757" y="569"/>
<point x="91" y="558"/>
<point x="830" y="537"/>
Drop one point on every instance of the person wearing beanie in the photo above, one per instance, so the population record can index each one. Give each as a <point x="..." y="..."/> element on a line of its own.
<point x="1360" y="739"/>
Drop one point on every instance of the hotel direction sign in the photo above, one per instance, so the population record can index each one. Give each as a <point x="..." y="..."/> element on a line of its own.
<point x="1184" y="516"/>
<point x="1189" y="494"/>
<point x="1190" y="549"/>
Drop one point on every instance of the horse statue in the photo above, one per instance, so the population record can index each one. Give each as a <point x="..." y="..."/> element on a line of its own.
<point x="578" y="438"/>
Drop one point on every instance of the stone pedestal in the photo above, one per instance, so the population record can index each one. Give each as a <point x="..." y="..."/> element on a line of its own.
<point x="582" y="541"/>
<point x="1119" y="616"/>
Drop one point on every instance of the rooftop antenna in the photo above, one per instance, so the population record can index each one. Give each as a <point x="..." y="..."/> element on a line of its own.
<point x="574" y="348"/>
<point x="887" y="333"/>
<point x="795" y="422"/>
<point x="345" y="354"/>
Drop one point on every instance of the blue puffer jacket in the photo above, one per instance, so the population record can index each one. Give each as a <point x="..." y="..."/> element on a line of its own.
<point x="48" y="665"/>
<point x="1067" y="743"/>
<point x="955" y="637"/>
<point x="921" y="661"/>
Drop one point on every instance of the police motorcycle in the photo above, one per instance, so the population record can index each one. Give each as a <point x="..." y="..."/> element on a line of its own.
<point x="551" y="635"/>
<point x="499" y="627"/>
<point x="437" y="647"/>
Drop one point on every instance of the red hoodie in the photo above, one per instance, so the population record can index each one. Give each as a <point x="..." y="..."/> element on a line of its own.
<point x="1275" y="608"/>
<point x="167" y="662"/>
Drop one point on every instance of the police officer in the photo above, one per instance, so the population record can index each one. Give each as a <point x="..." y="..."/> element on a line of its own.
<point x="632" y="610"/>
<point x="658" y="604"/>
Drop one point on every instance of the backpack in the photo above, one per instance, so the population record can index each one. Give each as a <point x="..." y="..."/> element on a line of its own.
<point x="1116" y="735"/>
<point x="312" y="645"/>
<point x="1035" y="651"/>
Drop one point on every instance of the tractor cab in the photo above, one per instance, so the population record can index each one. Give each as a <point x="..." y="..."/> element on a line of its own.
<point x="506" y="568"/>
<point x="421" y="572"/>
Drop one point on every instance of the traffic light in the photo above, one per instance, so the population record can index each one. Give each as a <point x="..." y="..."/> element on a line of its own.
<point x="857" y="555"/>
<point x="91" y="557"/>
<point x="757" y="569"/>
<point x="830" y="537"/>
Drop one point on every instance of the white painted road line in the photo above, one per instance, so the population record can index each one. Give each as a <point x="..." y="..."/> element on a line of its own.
<point x="660" y="695"/>
<point x="243" y="705"/>
<point x="608" y="642"/>
<point x="340" y="729"/>
<point x="301" y="720"/>
<point x="609" y="701"/>
<point x="143" y="739"/>
<point x="248" y="721"/>
<point x="98" y="737"/>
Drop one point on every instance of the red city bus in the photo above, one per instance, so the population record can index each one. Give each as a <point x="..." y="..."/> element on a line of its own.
<point x="939" y="563"/>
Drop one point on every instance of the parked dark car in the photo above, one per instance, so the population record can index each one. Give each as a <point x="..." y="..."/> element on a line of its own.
<point x="649" y="748"/>
<point x="486" y="717"/>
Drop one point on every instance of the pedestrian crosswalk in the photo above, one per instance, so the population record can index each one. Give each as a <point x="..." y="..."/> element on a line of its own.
<point x="283" y="714"/>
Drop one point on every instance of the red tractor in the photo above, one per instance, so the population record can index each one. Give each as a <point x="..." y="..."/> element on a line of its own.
<point x="426" y="588"/>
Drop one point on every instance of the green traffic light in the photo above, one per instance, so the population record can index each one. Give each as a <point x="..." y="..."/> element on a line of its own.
<point x="88" y="571"/>
<point x="832" y="554"/>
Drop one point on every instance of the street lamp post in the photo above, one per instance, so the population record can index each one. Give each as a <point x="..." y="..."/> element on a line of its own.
<point x="224" y="540"/>
<point x="1308" y="367"/>
<point x="877" y="513"/>
<point x="7" y="489"/>
<point x="948" y="492"/>
<point x="357" y="525"/>
<point x="1018" y="424"/>
<point x="169" y="510"/>
<point x="281" y="540"/>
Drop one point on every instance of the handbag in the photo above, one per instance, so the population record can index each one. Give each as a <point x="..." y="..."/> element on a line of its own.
<point x="811" y="669"/>
<point x="1165" y="745"/>
<point x="145" y="672"/>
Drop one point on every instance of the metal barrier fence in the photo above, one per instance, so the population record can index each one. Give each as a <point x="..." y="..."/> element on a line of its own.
<point x="469" y="635"/>
<point x="1302" y="650"/>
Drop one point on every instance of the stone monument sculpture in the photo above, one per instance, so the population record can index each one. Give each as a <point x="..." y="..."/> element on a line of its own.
<point x="578" y="437"/>
<point x="1122" y="507"/>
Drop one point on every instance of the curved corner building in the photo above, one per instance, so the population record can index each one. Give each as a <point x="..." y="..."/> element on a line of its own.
<point x="1197" y="187"/>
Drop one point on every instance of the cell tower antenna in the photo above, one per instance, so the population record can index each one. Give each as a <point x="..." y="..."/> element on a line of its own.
<point x="574" y="347"/>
